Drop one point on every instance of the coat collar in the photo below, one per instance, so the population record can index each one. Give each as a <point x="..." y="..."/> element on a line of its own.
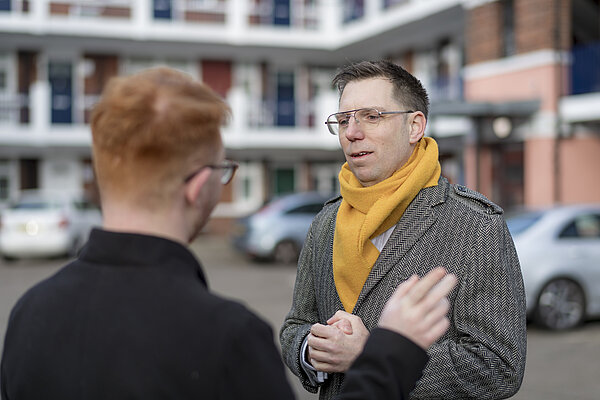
<point x="121" y="249"/>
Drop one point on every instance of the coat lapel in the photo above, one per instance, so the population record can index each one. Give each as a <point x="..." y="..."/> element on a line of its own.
<point x="326" y="292"/>
<point x="416" y="220"/>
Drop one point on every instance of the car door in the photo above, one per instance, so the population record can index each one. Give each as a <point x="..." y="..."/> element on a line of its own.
<point x="579" y="242"/>
<point x="299" y="218"/>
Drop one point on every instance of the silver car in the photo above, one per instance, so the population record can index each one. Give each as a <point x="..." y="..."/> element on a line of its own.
<point x="277" y="231"/>
<point x="559" y="251"/>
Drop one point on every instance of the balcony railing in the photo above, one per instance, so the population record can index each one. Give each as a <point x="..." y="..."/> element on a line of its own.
<point x="585" y="74"/>
<point x="445" y="89"/>
<point x="16" y="6"/>
<point x="299" y="14"/>
<point x="14" y="108"/>
<point x="91" y="8"/>
<point x="209" y="11"/>
<point x="353" y="10"/>
<point x="266" y="113"/>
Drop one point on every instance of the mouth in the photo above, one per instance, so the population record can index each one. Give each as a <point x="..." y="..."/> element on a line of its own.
<point x="360" y="154"/>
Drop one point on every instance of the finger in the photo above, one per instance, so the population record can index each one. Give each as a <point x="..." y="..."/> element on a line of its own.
<point x="423" y="286"/>
<point x="344" y="325"/>
<point x="439" y="291"/>
<point x="315" y="355"/>
<point x="322" y="366"/>
<point x="436" y="331"/>
<point x="338" y="316"/>
<point x="321" y="330"/>
<point x="438" y="312"/>
<point x="317" y="343"/>
<point x="405" y="286"/>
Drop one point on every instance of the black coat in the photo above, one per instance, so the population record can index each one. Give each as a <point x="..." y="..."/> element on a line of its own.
<point x="133" y="318"/>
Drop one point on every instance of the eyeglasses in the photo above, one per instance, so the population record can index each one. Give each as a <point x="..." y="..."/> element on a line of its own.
<point x="366" y="117"/>
<point x="227" y="168"/>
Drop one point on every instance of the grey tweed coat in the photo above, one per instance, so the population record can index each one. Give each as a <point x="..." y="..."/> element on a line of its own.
<point x="482" y="356"/>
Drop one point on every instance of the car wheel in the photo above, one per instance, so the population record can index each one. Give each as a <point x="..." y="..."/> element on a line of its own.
<point x="560" y="305"/>
<point x="286" y="252"/>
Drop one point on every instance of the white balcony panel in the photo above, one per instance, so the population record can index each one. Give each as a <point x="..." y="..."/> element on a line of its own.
<point x="580" y="108"/>
<point x="281" y="138"/>
<point x="446" y="126"/>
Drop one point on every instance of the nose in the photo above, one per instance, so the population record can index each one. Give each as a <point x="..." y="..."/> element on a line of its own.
<point x="354" y="131"/>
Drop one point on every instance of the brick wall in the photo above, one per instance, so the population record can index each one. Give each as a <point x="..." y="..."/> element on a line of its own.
<point x="538" y="25"/>
<point x="484" y="33"/>
<point x="542" y="24"/>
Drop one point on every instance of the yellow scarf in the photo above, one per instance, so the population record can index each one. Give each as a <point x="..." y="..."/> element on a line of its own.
<point x="367" y="212"/>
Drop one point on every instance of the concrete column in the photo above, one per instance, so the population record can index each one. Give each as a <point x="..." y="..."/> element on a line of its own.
<point x="141" y="16"/>
<point x="237" y="18"/>
<point x="40" y="107"/>
<point x="330" y="18"/>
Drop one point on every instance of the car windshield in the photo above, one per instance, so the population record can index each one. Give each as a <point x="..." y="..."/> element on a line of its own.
<point x="521" y="222"/>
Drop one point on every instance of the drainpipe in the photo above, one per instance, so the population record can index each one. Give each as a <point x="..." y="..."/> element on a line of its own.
<point x="559" y="88"/>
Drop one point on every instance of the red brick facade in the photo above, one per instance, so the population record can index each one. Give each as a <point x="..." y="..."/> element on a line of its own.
<point x="484" y="33"/>
<point x="538" y="25"/>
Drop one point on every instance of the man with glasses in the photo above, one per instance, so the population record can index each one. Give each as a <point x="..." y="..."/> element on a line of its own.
<point x="397" y="216"/>
<point x="132" y="318"/>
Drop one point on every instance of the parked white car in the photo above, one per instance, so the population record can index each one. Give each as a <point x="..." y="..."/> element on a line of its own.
<point x="559" y="251"/>
<point x="44" y="224"/>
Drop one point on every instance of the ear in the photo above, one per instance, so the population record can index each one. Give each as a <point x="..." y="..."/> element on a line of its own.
<point x="193" y="188"/>
<point x="417" y="123"/>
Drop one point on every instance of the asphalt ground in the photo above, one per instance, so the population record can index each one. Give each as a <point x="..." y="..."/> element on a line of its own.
<point x="561" y="366"/>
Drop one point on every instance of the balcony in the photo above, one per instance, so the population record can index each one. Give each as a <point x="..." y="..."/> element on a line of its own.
<point x="26" y="121"/>
<point x="193" y="11"/>
<point x="445" y="89"/>
<point x="14" y="109"/>
<point x="299" y="14"/>
<point x="315" y="25"/>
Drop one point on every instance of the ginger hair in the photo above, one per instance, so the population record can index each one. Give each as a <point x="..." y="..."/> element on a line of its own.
<point x="149" y="130"/>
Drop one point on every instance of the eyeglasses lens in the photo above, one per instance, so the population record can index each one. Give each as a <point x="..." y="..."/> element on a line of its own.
<point x="340" y="121"/>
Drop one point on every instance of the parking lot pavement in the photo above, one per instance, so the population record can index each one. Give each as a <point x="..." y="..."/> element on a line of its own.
<point x="559" y="365"/>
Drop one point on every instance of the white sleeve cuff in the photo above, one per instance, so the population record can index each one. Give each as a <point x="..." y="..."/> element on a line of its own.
<point x="315" y="377"/>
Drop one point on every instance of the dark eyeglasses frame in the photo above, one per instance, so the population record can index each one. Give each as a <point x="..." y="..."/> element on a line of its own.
<point x="352" y="113"/>
<point x="228" y="168"/>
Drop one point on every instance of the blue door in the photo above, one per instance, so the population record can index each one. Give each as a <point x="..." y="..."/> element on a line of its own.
<point x="281" y="12"/>
<point x="61" y="91"/>
<point x="163" y="9"/>
<point x="4" y="5"/>
<point x="585" y="74"/>
<point x="285" y="99"/>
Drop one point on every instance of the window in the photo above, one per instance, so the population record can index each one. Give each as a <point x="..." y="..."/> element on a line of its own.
<point x="162" y="9"/>
<point x="312" y="208"/>
<point x="353" y="10"/>
<point x="583" y="226"/>
<point x="508" y="26"/>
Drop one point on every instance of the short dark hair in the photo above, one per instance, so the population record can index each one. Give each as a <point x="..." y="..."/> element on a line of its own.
<point x="408" y="90"/>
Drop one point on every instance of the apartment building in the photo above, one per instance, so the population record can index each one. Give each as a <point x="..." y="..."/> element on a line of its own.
<point x="532" y="88"/>
<point x="513" y="115"/>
